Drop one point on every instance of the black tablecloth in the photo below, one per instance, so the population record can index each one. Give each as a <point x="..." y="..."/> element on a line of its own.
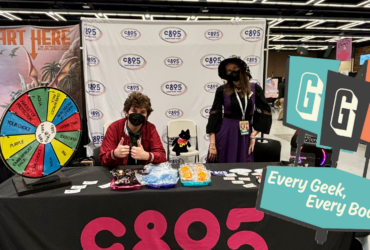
<point x="54" y="220"/>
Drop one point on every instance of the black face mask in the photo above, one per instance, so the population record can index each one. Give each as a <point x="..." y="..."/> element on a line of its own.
<point x="234" y="76"/>
<point x="136" y="119"/>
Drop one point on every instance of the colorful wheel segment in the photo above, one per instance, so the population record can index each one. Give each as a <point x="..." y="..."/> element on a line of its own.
<point x="39" y="132"/>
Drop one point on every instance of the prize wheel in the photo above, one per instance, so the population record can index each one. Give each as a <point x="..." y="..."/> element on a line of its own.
<point x="39" y="132"/>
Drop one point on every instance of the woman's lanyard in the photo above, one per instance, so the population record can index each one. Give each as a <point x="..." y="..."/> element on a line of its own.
<point x="241" y="106"/>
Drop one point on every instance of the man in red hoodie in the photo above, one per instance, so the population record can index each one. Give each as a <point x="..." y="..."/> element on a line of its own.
<point x="132" y="140"/>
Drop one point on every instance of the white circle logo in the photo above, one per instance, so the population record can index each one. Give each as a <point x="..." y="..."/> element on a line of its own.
<point x="132" y="61"/>
<point x="95" y="88"/>
<point x="213" y="34"/>
<point x="92" y="61"/>
<point x="174" y="88"/>
<point x="133" y="87"/>
<point x="173" y="62"/>
<point x="252" y="34"/>
<point x="92" y="33"/>
<point x="174" y="113"/>
<point x="206" y="137"/>
<point x="205" y="112"/>
<point x="212" y="87"/>
<point x="173" y="35"/>
<point x="252" y="60"/>
<point x="171" y="139"/>
<point x="45" y="132"/>
<point x="97" y="139"/>
<point x="130" y="34"/>
<point x="211" y="61"/>
<point x="176" y="161"/>
<point x="95" y="114"/>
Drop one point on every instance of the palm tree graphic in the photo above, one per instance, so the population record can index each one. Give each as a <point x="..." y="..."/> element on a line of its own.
<point x="49" y="71"/>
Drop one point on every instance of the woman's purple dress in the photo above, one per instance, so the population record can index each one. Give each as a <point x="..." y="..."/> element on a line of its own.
<point x="231" y="145"/>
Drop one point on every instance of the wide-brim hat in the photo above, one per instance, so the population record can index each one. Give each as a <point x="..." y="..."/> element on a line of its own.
<point x="231" y="59"/>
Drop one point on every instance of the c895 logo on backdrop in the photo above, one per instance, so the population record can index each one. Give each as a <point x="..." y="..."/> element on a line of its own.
<point x="213" y="34"/>
<point x="212" y="87"/>
<point x="133" y="87"/>
<point x="130" y="34"/>
<point x="252" y="60"/>
<point x="92" y="61"/>
<point x="132" y="61"/>
<point x="176" y="161"/>
<point x="95" y="114"/>
<point x="206" y="137"/>
<point x="252" y="34"/>
<point x="308" y="103"/>
<point x="92" y="33"/>
<point x="173" y="62"/>
<point x="95" y="88"/>
<point x="172" y="35"/>
<point x="174" y="88"/>
<point x="343" y="115"/>
<point x="174" y="113"/>
<point x="211" y="61"/>
<point x="171" y="139"/>
<point x="97" y="139"/>
<point x="205" y="112"/>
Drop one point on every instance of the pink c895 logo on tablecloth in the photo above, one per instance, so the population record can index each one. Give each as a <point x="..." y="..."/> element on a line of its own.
<point x="152" y="237"/>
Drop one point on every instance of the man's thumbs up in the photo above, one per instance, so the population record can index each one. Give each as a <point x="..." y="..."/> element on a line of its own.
<point x="139" y="153"/>
<point x="121" y="141"/>
<point x="122" y="150"/>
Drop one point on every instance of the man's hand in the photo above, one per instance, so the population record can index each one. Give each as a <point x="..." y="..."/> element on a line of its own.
<point x="139" y="153"/>
<point x="122" y="150"/>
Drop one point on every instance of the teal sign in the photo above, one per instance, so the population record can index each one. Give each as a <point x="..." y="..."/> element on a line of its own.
<point x="305" y="92"/>
<point x="321" y="198"/>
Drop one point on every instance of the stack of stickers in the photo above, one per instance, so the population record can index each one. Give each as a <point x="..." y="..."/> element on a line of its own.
<point x="241" y="176"/>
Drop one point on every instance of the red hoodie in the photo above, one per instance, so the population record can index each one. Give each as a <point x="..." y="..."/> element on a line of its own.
<point x="149" y="138"/>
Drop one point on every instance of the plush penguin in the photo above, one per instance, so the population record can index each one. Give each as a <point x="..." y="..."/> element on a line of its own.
<point x="181" y="143"/>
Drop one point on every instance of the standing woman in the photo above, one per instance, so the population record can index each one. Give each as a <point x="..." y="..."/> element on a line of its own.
<point x="245" y="108"/>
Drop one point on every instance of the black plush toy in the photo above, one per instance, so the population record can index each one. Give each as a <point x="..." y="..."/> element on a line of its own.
<point x="181" y="144"/>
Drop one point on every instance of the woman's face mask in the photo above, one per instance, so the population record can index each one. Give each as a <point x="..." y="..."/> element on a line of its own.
<point x="234" y="75"/>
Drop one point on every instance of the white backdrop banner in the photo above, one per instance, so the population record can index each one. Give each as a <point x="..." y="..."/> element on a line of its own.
<point x="174" y="63"/>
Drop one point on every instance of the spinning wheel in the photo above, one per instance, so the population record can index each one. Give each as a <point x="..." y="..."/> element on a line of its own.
<point x="39" y="132"/>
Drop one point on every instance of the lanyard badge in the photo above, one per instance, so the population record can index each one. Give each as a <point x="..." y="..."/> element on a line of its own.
<point x="243" y="125"/>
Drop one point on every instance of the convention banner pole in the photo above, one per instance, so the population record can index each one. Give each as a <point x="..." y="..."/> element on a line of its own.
<point x="267" y="42"/>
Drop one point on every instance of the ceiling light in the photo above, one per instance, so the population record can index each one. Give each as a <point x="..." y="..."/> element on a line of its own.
<point x="147" y="16"/>
<point x="192" y="17"/>
<point x="363" y="3"/>
<point x="51" y="14"/>
<point x="205" y="10"/>
<point x="85" y="6"/>
<point x="60" y="17"/>
<point x="100" y="14"/>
